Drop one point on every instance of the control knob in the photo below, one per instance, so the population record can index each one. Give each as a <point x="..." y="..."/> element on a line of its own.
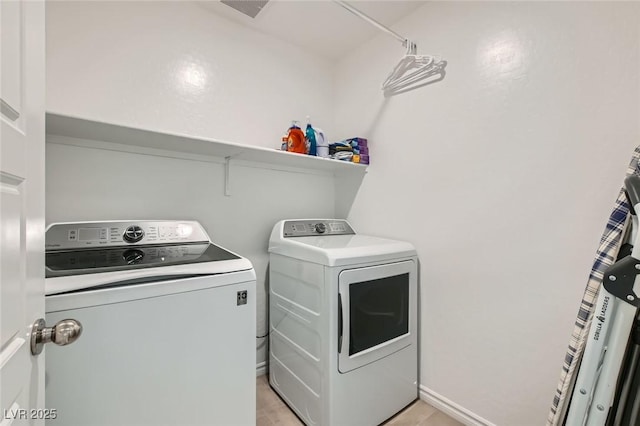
<point x="133" y="234"/>
<point x="321" y="228"/>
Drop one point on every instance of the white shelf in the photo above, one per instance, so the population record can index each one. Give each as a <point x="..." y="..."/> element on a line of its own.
<point x="79" y="131"/>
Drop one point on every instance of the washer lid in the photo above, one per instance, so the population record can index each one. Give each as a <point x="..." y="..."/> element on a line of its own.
<point x="337" y="250"/>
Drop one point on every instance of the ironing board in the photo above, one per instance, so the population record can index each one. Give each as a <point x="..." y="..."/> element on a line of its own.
<point x="606" y="255"/>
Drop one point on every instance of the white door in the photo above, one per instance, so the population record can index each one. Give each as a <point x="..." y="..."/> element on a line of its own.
<point x="22" y="81"/>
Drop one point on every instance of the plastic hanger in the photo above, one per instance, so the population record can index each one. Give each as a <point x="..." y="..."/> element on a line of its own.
<point x="411" y="69"/>
<point x="422" y="75"/>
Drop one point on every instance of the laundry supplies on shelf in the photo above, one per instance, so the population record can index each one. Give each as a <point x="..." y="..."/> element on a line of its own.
<point x="313" y="142"/>
<point x="353" y="149"/>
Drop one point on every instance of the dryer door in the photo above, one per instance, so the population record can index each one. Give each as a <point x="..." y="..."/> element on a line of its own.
<point x="378" y="309"/>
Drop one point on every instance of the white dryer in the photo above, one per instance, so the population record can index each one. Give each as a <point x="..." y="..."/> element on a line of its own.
<point x="343" y="322"/>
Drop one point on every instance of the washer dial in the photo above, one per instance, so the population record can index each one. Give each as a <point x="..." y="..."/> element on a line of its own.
<point x="133" y="234"/>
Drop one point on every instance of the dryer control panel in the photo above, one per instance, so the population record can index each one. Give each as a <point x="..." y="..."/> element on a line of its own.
<point x="316" y="227"/>
<point x="67" y="236"/>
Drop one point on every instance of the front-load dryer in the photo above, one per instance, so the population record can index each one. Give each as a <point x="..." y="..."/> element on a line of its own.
<point x="343" y="322"/>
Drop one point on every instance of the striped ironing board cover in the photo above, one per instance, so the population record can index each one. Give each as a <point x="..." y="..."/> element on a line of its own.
<point x="610" y="244"/>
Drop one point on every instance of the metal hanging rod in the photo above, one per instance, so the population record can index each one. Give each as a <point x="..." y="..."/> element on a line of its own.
<point x="405" y="42"/>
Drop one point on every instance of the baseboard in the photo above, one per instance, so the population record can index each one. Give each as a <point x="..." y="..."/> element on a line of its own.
<point x="452" y="409"/>
<point x="261" y="368"/>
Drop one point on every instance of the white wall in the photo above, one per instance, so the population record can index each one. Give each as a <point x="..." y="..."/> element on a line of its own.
<point x="124" y="62"/>
<point x="503" y="176"/>
<point x="178" y="67"/>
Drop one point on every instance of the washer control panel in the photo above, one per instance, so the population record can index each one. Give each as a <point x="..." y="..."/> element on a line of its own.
<point x="68" y="236"/>
<point x="315" y="227"/>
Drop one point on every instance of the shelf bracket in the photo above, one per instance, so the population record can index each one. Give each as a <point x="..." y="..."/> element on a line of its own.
<point x="227" y="166"/>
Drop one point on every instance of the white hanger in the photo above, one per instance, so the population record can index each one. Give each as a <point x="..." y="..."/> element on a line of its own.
<point x="409" y="61"/>
<point x="418" y="79"/>
<point x="413" y="69"/>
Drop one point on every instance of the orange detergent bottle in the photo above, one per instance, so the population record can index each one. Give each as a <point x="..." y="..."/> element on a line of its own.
<point x="295" y="140"/>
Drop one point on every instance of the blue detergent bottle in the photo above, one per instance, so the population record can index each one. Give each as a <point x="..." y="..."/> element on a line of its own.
<point x="311" y="137"/>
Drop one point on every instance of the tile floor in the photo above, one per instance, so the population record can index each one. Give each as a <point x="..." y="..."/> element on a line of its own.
<point x="271" y="411"/>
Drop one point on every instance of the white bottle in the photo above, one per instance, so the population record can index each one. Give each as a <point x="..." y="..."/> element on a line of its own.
<point x="322" y="145"/>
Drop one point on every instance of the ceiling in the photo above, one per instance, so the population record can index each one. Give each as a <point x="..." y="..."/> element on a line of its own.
<point x="320" y="26"/>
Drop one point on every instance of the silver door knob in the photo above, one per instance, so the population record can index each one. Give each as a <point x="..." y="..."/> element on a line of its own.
<point x="63" y="333"/>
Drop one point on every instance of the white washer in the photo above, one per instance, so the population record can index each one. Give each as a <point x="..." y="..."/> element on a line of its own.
<point x="343" y="322"/>
<point x="168" y="326"/>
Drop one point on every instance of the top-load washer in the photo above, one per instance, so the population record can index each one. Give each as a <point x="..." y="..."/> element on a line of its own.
<point x="168" y="326"/>
<point x="343" y="322"/>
